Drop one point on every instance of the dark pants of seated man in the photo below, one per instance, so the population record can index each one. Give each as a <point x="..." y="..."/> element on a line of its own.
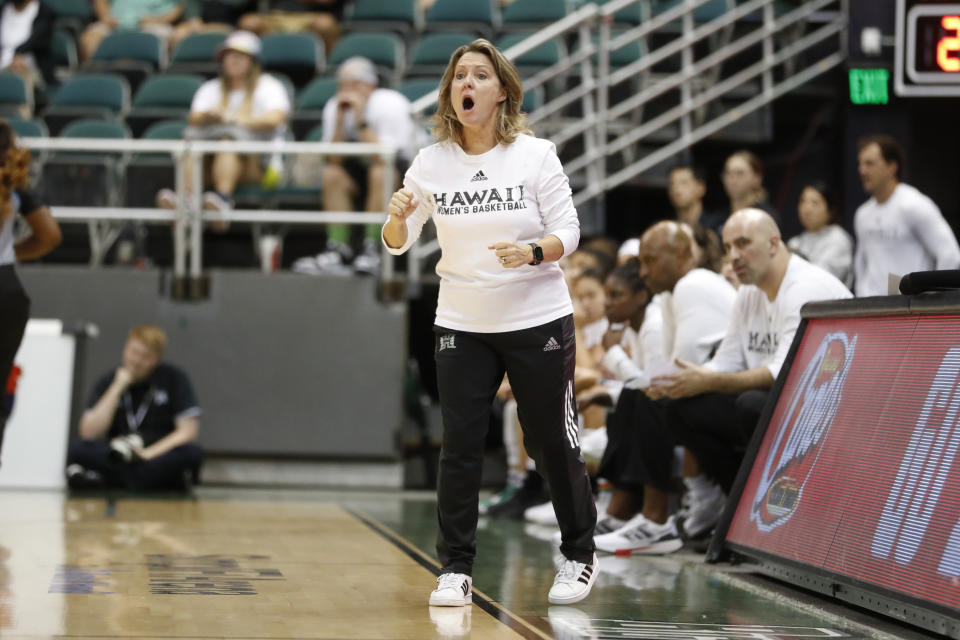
<point x="640" y="446"/>
<point x="163" y="473"/>
<point x="716" y="428"/>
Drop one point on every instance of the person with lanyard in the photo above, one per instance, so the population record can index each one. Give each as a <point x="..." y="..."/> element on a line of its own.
<point x="140" y="429"/>
<point x="16" y="199"/>
<point x="504" y="215"/>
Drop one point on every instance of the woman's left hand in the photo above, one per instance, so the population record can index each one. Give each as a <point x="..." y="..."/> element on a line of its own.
<point x="511" y="255"/>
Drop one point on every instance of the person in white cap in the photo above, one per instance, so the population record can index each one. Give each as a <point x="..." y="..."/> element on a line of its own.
<point x="241" y="104"/>
<point x="361" y="112"/>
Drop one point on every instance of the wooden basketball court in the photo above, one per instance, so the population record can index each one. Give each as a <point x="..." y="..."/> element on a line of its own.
<point x="285" y="565"/>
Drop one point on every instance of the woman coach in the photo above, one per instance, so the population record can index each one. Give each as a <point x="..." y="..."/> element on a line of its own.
<point x="504" y="215"/>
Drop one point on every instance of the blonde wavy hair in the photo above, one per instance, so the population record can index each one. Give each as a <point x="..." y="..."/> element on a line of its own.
<point x="14" y="169"/>
<point x="250" y="87"/>
<point x="510" y="120"/>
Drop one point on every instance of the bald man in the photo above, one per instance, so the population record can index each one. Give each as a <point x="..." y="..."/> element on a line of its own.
<point x="716" y="407"/>
<point x="696" y="305"/>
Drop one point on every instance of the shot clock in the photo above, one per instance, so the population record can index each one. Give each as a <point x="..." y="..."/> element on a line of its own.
<point x="927" y="48"/>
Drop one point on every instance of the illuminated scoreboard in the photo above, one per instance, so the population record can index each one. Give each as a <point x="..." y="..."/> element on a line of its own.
<point x="928" y="48"/>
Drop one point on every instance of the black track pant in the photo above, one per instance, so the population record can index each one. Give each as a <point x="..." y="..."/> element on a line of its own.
<point x="539" y="362"/>
<point x="716" y="428"/>
<point x="162" y="473"/>
<point x="640" y="446"/>
<point x="14" y="313"/>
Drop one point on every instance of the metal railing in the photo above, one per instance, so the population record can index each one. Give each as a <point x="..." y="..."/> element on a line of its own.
<point x="770" y="50"/>
<point x="606" y="130"/>
<point x="189" y="217"/>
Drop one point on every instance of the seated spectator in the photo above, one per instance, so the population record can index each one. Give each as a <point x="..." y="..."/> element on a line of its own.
<point x="714" y="408"/>
<point x="319" y="16"/>
<point x="743" y="182"/>
<point x="695" y="307"/>
<point x="242" y="104"/>
<point x="589" y="313"/>
<point x="361" y="112"/>
<point x="216" y="16"/>
<point x="140" y="428"/>
<point x="632" y="345"/>
<point x="824" y="243"/>
<point x="26" y="29"/>
<point x="153" y="16"/>
<point x="686" y="188"/>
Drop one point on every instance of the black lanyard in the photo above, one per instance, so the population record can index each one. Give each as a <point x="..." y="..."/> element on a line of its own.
<point x="135" y="420"/>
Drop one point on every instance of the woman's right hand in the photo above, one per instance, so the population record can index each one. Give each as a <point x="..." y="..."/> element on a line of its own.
<point x="402" y="204"/>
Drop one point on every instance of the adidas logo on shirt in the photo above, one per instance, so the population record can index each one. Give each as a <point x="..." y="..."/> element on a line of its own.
<point x="552" y="344"/>
<point x="479" y="177"/>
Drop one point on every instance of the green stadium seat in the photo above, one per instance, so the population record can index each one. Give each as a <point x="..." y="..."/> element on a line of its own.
<point x="133" y="54"/>
<point x="28" y="128"/>
<point x="414" y="88"/>
<point x="72" y="15"/>
<point x="14" y="97"/>
<point x="64" y="49"/>
<point x="197" y="53"/>
<point x="629" y="15"/>
<point x="402" y="16"/>
<point x="548" y="53"/>
<point x="297" y="55"/>
<point x="95" y="95"/>
<point x="528" y="14"/>
<point x="85" y="178"/>
<point x="383" y="49"/>
<point x="162" y="97"/>
<point x="309" y="106"/>
<point x="431" y="53"/>
<point x="478" y="15"/>
<point x="147" y="173"/>
<point x="532" y="100"/>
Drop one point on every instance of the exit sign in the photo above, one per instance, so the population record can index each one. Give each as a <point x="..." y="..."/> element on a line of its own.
<point x="869" y="86"/>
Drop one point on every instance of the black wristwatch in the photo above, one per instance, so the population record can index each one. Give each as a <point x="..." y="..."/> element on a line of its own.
<point x="537" y="254"/>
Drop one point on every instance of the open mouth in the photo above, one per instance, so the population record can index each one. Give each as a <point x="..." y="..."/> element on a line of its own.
<point x="467" y="103"/>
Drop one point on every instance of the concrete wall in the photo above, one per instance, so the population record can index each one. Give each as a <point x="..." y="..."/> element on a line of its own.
<point x="283" y="364"/>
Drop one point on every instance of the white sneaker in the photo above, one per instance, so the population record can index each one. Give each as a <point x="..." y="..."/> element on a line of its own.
<point x="641" y="536"/>
<point x="574" y="581"/>
<point x="214" y="202"/>
<point x="605" y="524"/>
<point x="593" y="443"/>
<point x="703" y="512"/>
<point x="368" y="260"/>
<point x="453" y="590"/>
<point x="541" y="514"/>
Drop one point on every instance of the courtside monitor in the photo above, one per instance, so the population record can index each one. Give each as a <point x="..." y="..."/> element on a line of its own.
<point x="851" y="485"/>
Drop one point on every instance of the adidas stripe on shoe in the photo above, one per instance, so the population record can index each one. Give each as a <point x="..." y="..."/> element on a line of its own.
<point x="453" y="590"/>
<point x="573" y="582"/>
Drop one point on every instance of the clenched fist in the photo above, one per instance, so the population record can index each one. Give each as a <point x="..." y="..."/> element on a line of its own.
<point x="402" y="204"/>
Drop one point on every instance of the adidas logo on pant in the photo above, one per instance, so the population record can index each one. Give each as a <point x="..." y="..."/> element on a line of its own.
<point x="479" y="177"/>
<point x="552" y="344"/>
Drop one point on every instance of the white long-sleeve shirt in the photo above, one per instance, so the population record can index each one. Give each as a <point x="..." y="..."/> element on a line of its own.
<point x="695" y="315"/>
<point x="830" y="248"/>
<point x="645" y="346"/>
<point x="512" y="193"/>
<point x="904" y="234"/>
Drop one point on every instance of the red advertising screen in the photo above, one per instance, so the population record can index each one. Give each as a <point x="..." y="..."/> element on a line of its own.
<point x="858" y="472"/>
